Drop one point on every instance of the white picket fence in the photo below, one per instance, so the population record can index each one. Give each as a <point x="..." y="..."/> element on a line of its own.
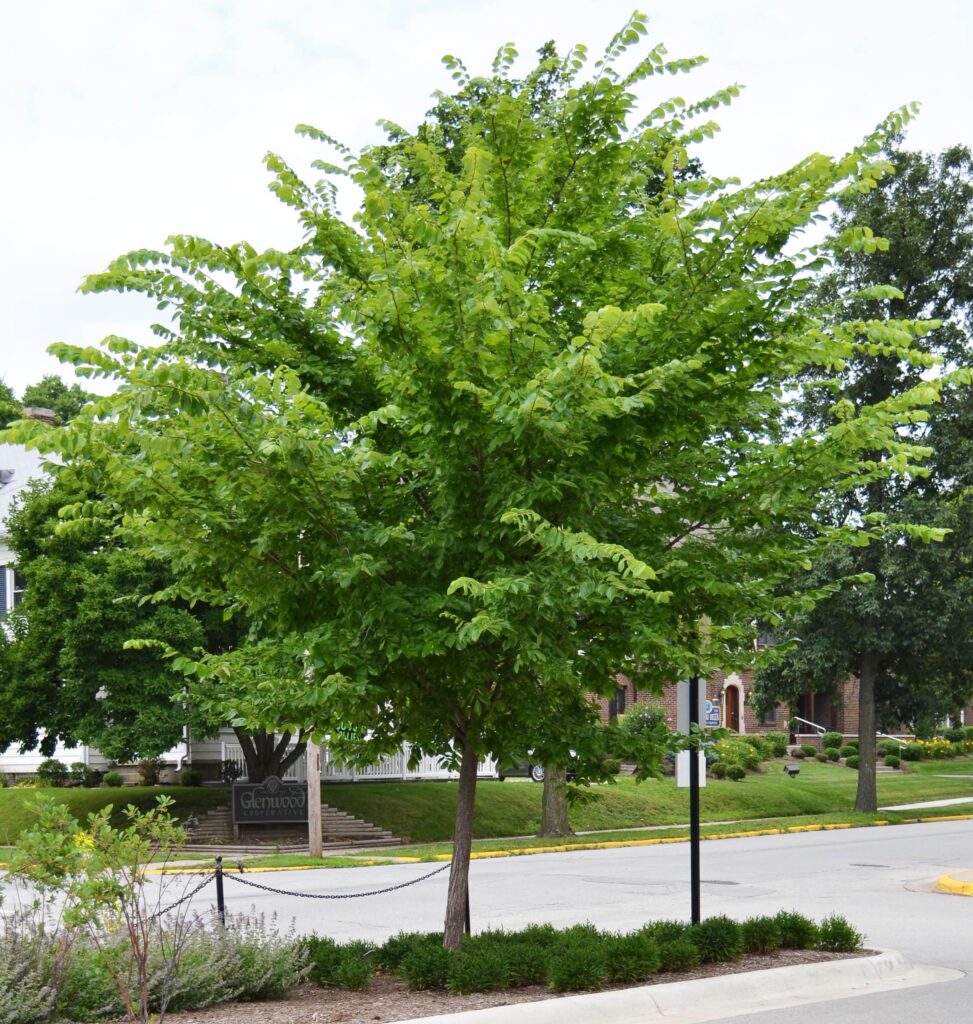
<point x="393" y="766"/>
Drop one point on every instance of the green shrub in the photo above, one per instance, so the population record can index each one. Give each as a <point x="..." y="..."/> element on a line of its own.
<point x="632" y="957"/>
<point x="853" y="742"/>
<point x="954" y="735"/>
<point x="822" y="756"/>
<point x="887" y="747"/>
<point x="911" y="752"/>
<point x="736" y="772"/>
<point x="968" y="733"/>
<point x="798" y="752"/>
<point x="190" y="777"/>
<point x="737" y="752"/>
<point x="832" y="754"/>
<point x="852" y="762"/>
<point x="481" y="966"/>
<point x="542" y="935"/>
<point x="666" y="931"/>
<point x="848" y="751"/>
<point x="526" y="963"/>
<point x="757" y="742"/>
<point x="391" y="955"/>
<point x="836" y="935"/>
<point x="425" y="966"/>
<point x="28" y="969"/>
<point x="578" y="962"/>
<point x="796" y="930"/>
<point x="892" y="761"/>
<point x="717" y="939"/>
<point x="832" y="739"/>
<point x="81" y="773"/>
<point x="761" y="935"/>
<point x="53" y="772"/>
<point x="612" y="765"/>
<point x="809" y="749"/>
<point x="88" y="990"/>
<point x="113" y="779"/>
<point x="718" y="770"/>
<point x="332" y="966"/>
<point x="777" y="741"/>
<point x="678" y="955"/>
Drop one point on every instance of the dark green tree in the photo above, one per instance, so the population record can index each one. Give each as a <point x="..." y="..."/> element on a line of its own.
<point x="9" y="406"/>
<point x="908" y="636"/>
<point x="50" y="392"/>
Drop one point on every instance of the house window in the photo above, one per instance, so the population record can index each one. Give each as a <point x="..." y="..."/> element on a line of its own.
<point x="18" y="593"/>
<point x="769" y="717"/>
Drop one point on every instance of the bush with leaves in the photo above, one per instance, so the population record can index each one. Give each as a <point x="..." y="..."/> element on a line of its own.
<point x="761" y="935"/>
<point x="833" y="739"/>
<point x="736" y="772"/>
<point x="113" y="779"/>
<point x="578" y="962"/>
<point x="425" y="966"/>
<point x="836" y="935"/>
<point x="832" y="754"/>
<point x="678" y="955"/>
<point x="911" y="752"/>
<point x="53" y="772"/>
<point x="482" y="965"/>
<point x="796" y="930"/>
<point x="892" y="761"/>
<point x="778" y="743"/>
<point x="632" y="958"/>
<point x="718" y="770"/>
<point x="852" y="762"/>
<point x="717" y="939"/>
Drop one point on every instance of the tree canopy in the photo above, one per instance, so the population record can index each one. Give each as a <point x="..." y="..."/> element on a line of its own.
<point x="518" y="424"/>
<point x="908" y="636"/>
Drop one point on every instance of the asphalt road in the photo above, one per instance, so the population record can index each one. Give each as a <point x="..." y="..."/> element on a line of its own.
<point x="881" y="879"/>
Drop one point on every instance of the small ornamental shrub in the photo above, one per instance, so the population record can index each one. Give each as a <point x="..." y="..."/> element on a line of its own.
<point x="796" y="930"/>
<point x="53" y="772"/>
<point x="718" y="770"/>
<point x="113" y="779"/>
<point x="848" y="751"/>
<point x="478" y="967"/>
<point x="761" y="935"/>
<point x="666" y="931"/>
<point x="526" y="963"/>
<point x="888" y="747"/>
<point x="892" y="761"/>
<point x="832" y="739"/>
<point x="832" y="754"/>
<point x="798" y="752"/>
<point x="968" y="733"/>
<point x="632" y="957"/>
<point x="809" y="749"/>
<point x="911" y="752"/>
<point x="542" y="935"/>
<point x="268" y="964"/>
<point x="822" y="756"/>
<point x="82" y="774"/>
<point x="736" y="772"/>
<point x="777" y="742"/>
<point x="612" y="765"/>
<point x="954" y="735"/>
<point x="737" y="752"/>
<point x="190" y="777"/>
<point x="425" y="966"/>
<point x="717" y="939"/>
<point x="391" y="955"/>
<point x="757" y="742"/>
<point x="87" y="989"/>
<point x="836" y="935"/>
<point x="149" y="769"/>
<point x="678" y="955"/>
<point x="578" y="963"/>
<point x="852" y="762"/>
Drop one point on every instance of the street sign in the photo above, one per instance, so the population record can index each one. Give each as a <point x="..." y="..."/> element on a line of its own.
<point x="682" y="706"/>
<point x="682" y="769"/>
<point x="268" y="802"/>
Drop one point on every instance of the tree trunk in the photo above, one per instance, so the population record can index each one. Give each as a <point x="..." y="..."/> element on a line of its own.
<point x="866" y="799"/>
<point x="554" y="804"/>
<point x="459" y="874"/>
<point x="265" y="755"/>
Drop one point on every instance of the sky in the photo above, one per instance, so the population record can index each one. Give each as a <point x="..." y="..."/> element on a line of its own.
<point x="122" y="123"/>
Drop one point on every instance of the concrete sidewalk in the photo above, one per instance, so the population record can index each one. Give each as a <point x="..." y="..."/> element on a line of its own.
<point x="693" y="1002"/>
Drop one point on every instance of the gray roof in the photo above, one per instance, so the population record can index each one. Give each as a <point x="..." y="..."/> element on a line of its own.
<point x="26" y="465"/>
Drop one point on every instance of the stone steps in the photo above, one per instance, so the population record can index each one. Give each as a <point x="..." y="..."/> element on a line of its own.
<point x="338" y="829"/>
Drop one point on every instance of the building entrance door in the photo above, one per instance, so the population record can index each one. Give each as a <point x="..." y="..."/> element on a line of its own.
<point x="731" y="697"/>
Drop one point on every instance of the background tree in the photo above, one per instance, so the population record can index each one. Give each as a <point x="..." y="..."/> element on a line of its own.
<point x="50" y="392"/>
<point x="517" y="427"/>
<point x="9" y="406"/>
<point x="907" y="637"/>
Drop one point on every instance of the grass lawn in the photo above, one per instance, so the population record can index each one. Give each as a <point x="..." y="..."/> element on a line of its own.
<point x="422" y="812"/>
<point x="17" y="804"/>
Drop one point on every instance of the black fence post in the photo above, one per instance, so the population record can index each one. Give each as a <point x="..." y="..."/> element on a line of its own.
<point x="694" y="751"/>
<point x="220" y="902"/>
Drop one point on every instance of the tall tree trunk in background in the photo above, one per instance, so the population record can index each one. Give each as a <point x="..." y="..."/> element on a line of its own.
<point x="459" y="874"/>
<point x="266" y="755"/>
<point x="554" y="804"/>
<point x="867" y="797"/>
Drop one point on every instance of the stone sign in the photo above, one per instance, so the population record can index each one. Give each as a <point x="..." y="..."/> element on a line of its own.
<point x="269" y="802"/>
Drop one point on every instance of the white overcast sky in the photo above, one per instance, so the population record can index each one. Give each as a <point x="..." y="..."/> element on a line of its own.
<point x="124" y="122"/>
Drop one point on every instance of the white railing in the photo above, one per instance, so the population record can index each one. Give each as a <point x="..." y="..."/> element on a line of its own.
<point x="392" y="766"/>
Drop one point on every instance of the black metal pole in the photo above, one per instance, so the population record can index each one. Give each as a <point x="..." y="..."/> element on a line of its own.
<point x="220" y="902"/>
<point x="694" y="800"/>
<point x="467" y="918"/>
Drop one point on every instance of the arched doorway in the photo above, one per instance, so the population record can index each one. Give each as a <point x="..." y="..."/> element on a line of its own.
<point x="731" y="707"/>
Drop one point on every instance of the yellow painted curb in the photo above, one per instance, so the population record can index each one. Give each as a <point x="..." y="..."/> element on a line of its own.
<point x="230" y="869"/>
<point x="955" y="886"/>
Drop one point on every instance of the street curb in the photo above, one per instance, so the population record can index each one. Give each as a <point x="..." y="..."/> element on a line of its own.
<point x="955" y="886"/>
<point x="693" y="1002"/>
